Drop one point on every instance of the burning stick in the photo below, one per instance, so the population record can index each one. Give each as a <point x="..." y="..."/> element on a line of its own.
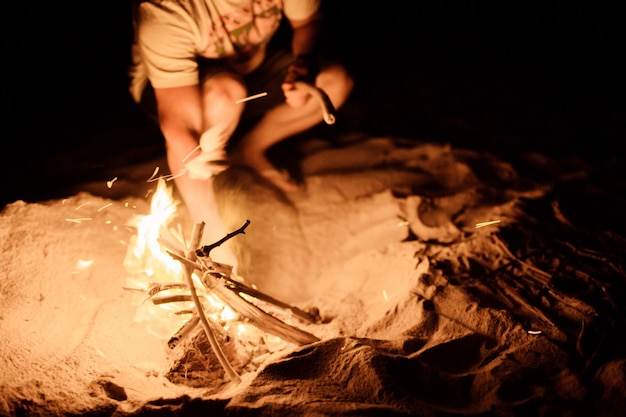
<point x="188" y="271"/>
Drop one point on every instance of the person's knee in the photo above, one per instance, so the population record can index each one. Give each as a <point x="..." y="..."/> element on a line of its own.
<point x="337" y="82"/>
<point x="219" y="99"/>
<point x="224" y="88"/>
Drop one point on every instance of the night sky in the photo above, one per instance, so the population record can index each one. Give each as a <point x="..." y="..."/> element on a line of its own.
<point x="505" y="75"/>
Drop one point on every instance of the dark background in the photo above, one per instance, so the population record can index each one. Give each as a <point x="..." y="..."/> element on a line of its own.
<point x="501" y="76"/>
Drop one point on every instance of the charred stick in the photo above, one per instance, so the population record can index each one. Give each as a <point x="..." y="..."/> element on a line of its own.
<point x="206" y="250"/>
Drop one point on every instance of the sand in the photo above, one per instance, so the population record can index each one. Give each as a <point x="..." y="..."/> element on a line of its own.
<point x="506" y="117"/>
<point x="424" y="309"/>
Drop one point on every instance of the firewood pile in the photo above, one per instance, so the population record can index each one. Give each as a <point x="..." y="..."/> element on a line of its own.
<point x="203" y="351"/>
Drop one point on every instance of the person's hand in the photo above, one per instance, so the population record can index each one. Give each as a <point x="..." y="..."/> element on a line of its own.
<point x="305" y="69"/>
<point x="212" y="157"/>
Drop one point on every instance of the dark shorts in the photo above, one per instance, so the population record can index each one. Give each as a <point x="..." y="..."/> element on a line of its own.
<point x="265" y="79"/>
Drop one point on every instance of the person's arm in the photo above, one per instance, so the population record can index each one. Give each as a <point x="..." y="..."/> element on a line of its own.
<point x="305" y="36"/>
<point x="180" y="120"/>
<point x="304" y="44"/>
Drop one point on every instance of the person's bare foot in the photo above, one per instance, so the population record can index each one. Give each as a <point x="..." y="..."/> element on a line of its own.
<point x="280" y="179"/>
<point x="263" y="167"/>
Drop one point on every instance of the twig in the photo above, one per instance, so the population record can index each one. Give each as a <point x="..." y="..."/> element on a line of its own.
<point x="188" y="271"/>
<point x="206" y="250"/>
<point x="544" y="276"/>
<point x="522" y="302"/>
<point x="171" y="299"/>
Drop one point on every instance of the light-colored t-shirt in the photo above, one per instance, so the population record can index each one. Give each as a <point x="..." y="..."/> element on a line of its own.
<point x="170" y="35"/>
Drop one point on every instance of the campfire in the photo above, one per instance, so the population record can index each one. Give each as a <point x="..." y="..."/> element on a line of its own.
<point x="180" y="286"/>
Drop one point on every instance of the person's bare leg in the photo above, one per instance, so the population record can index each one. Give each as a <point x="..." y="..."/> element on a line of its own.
<point x="284" y="121"/>
<point x="219" y="96"/>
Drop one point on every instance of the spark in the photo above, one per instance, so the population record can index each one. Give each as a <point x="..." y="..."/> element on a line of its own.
<point x="156" y="171"/>
<point x="193" y="151"/>
<point x="483" y="224"/>
<point x="110" y="182"/>
<point x="534" y="332"/>
<point x="385" y="296"/>
<point x="79" y="220"/>
<point x="169" y="177"/>
<point x="252" y="97"/>
<point x="105" y="206"/>
<point x="82" y="205"/>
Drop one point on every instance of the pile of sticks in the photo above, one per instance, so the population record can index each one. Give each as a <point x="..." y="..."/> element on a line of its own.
<point x="217" y="279"/>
